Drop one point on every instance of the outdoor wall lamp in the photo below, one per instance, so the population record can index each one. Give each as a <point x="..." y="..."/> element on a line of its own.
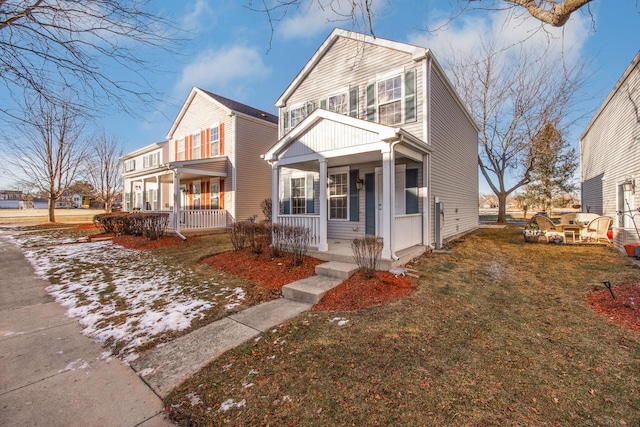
<point x="629" y="186"/>
<point x="185" y="190"/>
<point x="360" y="184"/>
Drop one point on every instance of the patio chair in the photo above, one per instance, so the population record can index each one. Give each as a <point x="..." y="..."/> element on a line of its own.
<point x="549" y="227"/>
<point x="597" y="229"/>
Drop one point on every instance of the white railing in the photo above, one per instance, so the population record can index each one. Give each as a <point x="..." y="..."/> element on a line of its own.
<point x="311" y="222"/>
<point x="408" y="231"/>
<point x="203" y="218"/>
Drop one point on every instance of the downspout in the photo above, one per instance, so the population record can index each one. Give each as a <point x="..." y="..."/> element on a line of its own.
<point x="176" y="204"/>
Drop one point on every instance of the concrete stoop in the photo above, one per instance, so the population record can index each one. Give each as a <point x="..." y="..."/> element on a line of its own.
<point x="312" y="289"/>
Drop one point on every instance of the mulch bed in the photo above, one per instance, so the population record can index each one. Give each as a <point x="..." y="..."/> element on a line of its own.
<point x="142" y="243"/>
<point x="624" y="309"/>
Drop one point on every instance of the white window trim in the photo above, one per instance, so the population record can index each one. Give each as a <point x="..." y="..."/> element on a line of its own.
<point x="337" y="171"/>
<point x="213" y="126"/>
<point x="297" y="175"/>
<point x="182" y="140"/>
<point x="193" y="145"/>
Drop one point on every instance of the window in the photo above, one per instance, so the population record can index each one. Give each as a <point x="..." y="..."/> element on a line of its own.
<point x="214" y="192"/>
<point x="195" y="153"/>
<point x="389" y="104"/>
<point x="181" y="149"/>
<point x="297" y="115"/>
<point x="298" y="196"/>
<point x="338" y="195"/>
<point x="151" y="160"/>
<point x="293" y="117"/>
<point x="339" y="104"/>
<point x="129" y="165"/>
<point x="214" y="141"/>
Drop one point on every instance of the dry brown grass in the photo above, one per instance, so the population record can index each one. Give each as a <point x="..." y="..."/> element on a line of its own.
<point x="498" y="333"/>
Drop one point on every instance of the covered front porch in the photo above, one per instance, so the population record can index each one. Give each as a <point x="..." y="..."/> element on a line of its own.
<point x="342" y="177"/>
<point x="193" y="196"/>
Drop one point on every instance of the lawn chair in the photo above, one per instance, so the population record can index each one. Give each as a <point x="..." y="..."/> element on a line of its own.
<point x="597" y="229"/>
<point x="551" y="230"/>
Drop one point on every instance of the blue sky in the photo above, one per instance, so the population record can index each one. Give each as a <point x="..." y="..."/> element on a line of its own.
<point x="228" y="52"/>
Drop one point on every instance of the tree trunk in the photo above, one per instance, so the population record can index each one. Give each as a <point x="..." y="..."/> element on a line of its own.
<point x="52" y="210"/>
<point x="502" y="208"/>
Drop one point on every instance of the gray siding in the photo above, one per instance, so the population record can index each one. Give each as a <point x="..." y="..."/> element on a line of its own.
<point x="253" y="175"/>
<point x="349" y="63"/>
<point x="610" y="150"/>
<point x="454" y="162"/>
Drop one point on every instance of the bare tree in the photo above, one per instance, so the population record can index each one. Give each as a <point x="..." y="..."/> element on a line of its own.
<point x="104" y="170"/>
<point x="48" y="44"/>
<point x="362" y="12"/>
<point x="48" y="147"/>
<point x="514" y="95"/>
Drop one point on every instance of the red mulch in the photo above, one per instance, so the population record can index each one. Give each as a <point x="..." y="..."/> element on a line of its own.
<point x="84" y="227"/>
<point x="269" y="272"/>
<point x="142" y="243"/>
<point x="357" y="292"/>
<point x="624" y="309"/>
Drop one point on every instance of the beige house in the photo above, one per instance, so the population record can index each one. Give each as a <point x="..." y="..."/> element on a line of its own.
<point x="208" y="172"/>
<point x="373" y="139"/>
<point x="610" y="157"/>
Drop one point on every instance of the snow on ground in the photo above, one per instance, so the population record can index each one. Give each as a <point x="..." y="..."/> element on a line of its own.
<point x="123" y="298"/>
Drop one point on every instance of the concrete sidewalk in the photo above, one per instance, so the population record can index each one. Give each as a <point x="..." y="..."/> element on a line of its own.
<point x="52" y="375"/>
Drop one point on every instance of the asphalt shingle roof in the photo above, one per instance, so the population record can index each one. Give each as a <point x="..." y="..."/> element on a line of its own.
<point x="242" y="108"/>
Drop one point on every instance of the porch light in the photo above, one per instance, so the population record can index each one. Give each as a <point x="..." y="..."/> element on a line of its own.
<point x="185" y="190"/>
<point x="360" y="184"/>
<point x="628" y="185"/>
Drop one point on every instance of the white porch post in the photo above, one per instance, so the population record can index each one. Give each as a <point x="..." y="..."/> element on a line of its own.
<point x="275" y="193"/>
<point x="176" y="200"/>
<point x="158" y="193"/>
<point x="131" y="196"/>
<point x="425" y="198"/>
<point x="322" y="245"/>
<point x="388" y="205"/>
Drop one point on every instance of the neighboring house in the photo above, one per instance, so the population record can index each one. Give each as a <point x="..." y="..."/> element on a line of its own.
<point x="610" y="157"/>
<point x="208" y="172"/>
<point x="372" y="135"/>
<point x="10" y="195"/>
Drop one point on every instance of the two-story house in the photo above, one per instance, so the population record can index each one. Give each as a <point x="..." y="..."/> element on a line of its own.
<point x="610" y="158"/>
<point x="208" y="172"/>
<point x="373" y="139"/>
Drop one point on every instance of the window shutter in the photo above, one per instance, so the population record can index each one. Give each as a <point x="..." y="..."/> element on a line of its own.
<point x="410" y="96"/>
<point x="176" y="151"/>
<point x="285" y="121"/>
<point x="221" y="194"/>
<point x="221" y="135"/>
<point x="371" y="102"/>
<point x="309" y="192"/>
<point x="310" y="107"/>
<point x="203" y="144"/>
<point x="207" y="138"/>
<point x="353" y="102"/>
<point x="354" y="208"/>
<point x="188" y="147"/>
<point x="286" y="199"/>
<point x="323" y="104"/>
<point x="411" y="191"/>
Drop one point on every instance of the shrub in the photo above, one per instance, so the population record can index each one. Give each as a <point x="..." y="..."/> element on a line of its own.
<point x="267" y="208"/>
<point x="292" y="240"/>
<point x="367" y="252"/>
<point x="238" y="234"/>
<point x="151" y="225"/>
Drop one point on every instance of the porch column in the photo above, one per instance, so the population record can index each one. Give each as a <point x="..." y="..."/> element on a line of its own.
<point x="131" y="195"/>
<point x="144" y="194"/>
<point x="158" y="193"/>
<point x="275" y="193"/>
<point x="388" y="205"/>
<point x="176" y="199"/>
<point x="425" y="198"/>
<point x="322" y="245"/>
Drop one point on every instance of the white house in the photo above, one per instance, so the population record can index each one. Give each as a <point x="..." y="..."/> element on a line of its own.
<point x="208" y="172"/>
<point x="372" y="134"/>
<point x="610" y="157"/>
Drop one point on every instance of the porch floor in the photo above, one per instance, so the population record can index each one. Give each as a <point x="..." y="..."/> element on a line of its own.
<point x="340" y="250"/>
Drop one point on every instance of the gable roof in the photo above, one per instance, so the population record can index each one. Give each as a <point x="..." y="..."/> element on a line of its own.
<point x="619" y="83"/>
<point x="227" y="104"/>
<point x="415" y="51"/>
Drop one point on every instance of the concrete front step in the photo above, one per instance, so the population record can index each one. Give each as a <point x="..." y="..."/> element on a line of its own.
<point x="309" y="290"/>
<point x="336" y="269"/>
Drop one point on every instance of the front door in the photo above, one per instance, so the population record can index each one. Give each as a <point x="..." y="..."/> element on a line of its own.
<point x="370" y="204"/>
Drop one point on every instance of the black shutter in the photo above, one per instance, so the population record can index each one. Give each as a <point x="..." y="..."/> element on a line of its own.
<point x="285" y="122"/>
<point x="286" y="200"/>
<point x="371" y="102"/>
<point x="353" y="102"/>
<point x="354" y="208"/>
<point x="323" y="104"/>
<point x="411" y="191"/>
<point x="410" y="96"/>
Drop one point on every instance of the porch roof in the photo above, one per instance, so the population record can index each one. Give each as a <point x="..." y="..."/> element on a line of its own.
<point x="327" y="134"/>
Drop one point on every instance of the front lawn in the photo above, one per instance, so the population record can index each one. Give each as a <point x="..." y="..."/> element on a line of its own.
<point x="499" y="332"/>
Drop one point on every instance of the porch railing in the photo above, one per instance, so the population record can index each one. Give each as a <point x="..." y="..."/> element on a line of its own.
<point x="312" y="222"/>
<point x="202" y="218"/>
<point x="408" y="231"/>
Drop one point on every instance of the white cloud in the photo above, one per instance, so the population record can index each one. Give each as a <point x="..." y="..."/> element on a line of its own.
<point x="231" y="68"/>
<point x="319" y="16"/>
<point x="198" y="17"/>
<point x="465" y="33"/>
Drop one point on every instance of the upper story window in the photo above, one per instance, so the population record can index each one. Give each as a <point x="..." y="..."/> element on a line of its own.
<point x="195" y="152"/>
<point x="180" y="149"/>
<point x="151" y="160"/>
<point x="294" y="116"/>
<point x="129" y="165"/>
<point x="297" y="115"/>
<point x="339" y="104"/>
<point x="214" y="140"/>
<point x="392" y="100"/>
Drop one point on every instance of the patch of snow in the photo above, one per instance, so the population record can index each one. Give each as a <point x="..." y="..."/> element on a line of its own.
<point x="247" y="385"/>
<point x="341" y="321"/>
<point x="146" y="372"/>
<point x="194" y="399"/>
<point x="230" y="403"/>
<point x="76" y="364"/>
<point x="254" y="372"/>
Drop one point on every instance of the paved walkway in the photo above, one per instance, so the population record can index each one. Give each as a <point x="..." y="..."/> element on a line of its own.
<point x="52" y="375"/>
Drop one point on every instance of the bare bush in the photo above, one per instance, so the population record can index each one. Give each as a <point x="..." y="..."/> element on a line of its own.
<point x="150" y="225"/>
<point x="267" y="208"/>
<point x="367" y="252"/>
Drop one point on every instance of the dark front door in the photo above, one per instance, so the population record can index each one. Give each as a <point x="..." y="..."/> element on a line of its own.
<point x="370" y="204"/>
